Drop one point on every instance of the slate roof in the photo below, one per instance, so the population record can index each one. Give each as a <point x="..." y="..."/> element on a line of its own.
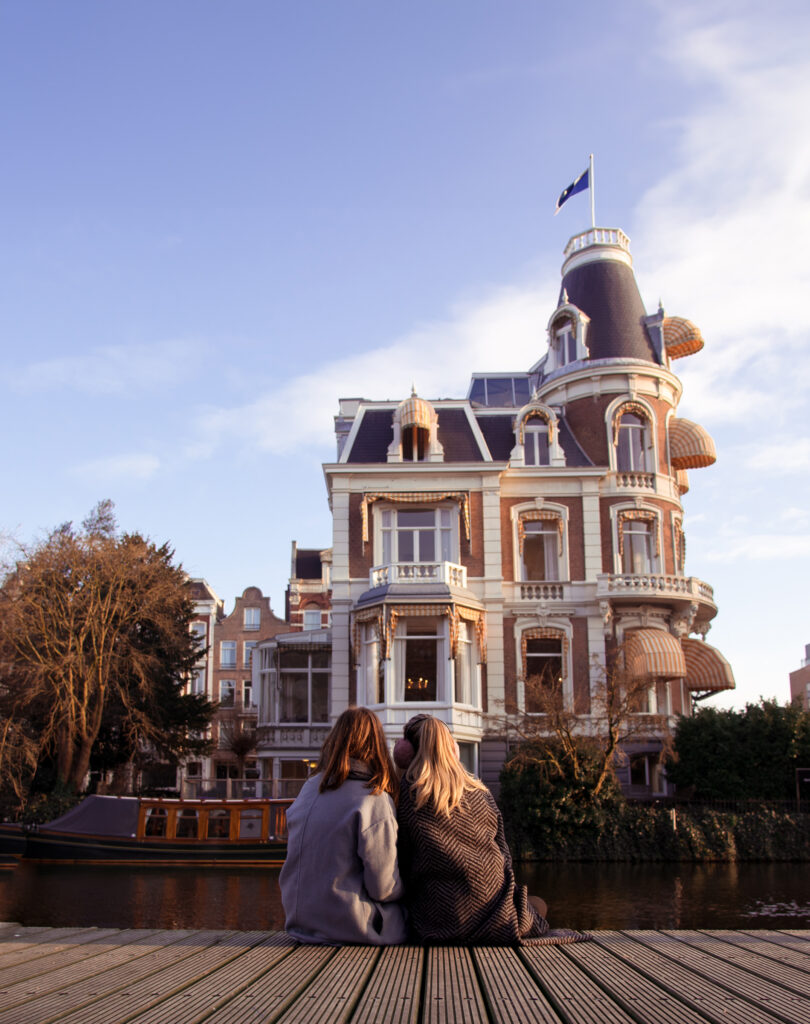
<point x="500" y="438"/>
<point x="607" y="292"/>
<point x="375" y="434"/>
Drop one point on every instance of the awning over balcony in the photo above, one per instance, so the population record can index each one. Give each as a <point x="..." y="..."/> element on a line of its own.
<point x="653" y="654"/>
<point x="681" y="337"/>
<point x="690" y="446"/>
<point x="707" y="671"/>
<point x="416" y="412"/>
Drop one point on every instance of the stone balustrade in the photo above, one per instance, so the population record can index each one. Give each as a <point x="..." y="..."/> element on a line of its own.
<point x="450" y="573"/>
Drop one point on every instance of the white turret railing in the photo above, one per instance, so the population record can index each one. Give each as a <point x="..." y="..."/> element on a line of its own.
<point x="597" y="236"/>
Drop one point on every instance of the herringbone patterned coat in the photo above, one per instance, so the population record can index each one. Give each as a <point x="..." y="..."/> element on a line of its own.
<point x="459" y="881"/>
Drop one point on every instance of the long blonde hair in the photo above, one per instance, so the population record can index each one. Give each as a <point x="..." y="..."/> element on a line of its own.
<point x="436" y="775"/>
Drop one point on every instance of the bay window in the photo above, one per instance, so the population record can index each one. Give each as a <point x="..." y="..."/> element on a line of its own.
<point x="465" y="667"/>
<point x="418" y="535"/>
<point x="303" y="694"/>
<point x="418" y="647"/>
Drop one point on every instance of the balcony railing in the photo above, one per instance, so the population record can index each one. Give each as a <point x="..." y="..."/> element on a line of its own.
<point x="652" y="584"/>
<point x="634" y="480"/>
<point x="418" y="572"/>
<point x="541" y="591"/>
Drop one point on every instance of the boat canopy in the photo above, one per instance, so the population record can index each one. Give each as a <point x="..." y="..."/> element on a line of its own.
<point x="99" y="815"/>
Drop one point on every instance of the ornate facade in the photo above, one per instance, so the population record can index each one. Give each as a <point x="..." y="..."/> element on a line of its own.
<point x="527" y="531"/>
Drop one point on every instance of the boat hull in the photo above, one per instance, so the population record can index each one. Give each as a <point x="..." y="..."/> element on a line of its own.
<point x="65" y="848"/>
<point x="12" y="845"/>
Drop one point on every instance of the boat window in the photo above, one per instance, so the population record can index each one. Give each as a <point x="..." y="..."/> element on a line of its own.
<point x="219" y="823"/>
<point x="250" y="823"/>
<point x="156" y="821"/>
<point x="186" y="824"/>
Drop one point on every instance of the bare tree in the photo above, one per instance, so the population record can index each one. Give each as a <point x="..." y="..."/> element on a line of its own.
<point x="583" y="748"/>
<point x="90" y="621"/>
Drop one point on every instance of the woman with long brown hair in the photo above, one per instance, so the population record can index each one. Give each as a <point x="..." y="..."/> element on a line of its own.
<point x="340" y="882"/>
<point x="456" y="865"/>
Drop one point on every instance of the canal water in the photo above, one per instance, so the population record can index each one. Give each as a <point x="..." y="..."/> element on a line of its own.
<point x="579" y="896"/>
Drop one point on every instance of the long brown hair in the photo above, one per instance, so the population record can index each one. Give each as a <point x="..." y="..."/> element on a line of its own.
<point x="436" y="774"/>
<point x="358" y="735"/>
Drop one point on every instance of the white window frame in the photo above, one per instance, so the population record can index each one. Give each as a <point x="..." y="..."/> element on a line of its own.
<point x="386" y="518"/>
<point x="532" y="431"/>
<point x="549" y="531"/>
<point x="247" y="694"/>
<point x="371" y="669"/>
<point x="563" y="564"/>
<point x="656" y="548"/>
<point x="650" y="445"/>
<point x="564" y="628"/>
<point x="248" y="647"/>
<point x="225" y="686"/>
<point x="309" y="671"/>
<point x="313" y="614"/>
<point x="398" y="660"/>
<point x="467" y="664"/>
<point x="230" y="647"/>
<point x="252" y="618"/>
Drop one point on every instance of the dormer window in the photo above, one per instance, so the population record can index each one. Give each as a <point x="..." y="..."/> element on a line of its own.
<point x="415" y="442"/>
<point x="567" y="334"/>
<point x="415" y="428"/>
<point x="535" y="443"/>
<point x="565" y="343"/>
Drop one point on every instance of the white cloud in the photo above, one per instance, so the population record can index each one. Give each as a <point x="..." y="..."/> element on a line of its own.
<point x="112" y="369"/>
<point x="119" y="467"/>
<point x="758" y="547"/>
<point x="781" y="459"/>
<point x="503" y="332"/>
<point x="722" y="236"/>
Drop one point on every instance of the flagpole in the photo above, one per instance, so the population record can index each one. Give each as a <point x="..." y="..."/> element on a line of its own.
<point x="593" y="195"/>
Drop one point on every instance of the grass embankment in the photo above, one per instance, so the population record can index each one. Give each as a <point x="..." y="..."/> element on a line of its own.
<point x="637" y="832"/>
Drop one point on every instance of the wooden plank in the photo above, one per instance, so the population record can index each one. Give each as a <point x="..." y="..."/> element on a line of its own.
<point x="45" y="960"/>
<point x="576" y="998"/>
<point x="87" y="989"/>
<point x="717" y="1004"/>
<point x="747" y="958"/>
<point x="642" y="998"/>
<point x="334" y="993"/>
<point x="49" y="971"/>
<point x="160" y="985"/>
<point x="220" y="986"/>
<point x="756" y="989"/>
<point x="511" y="994"/>
<point x="451" y="989"/>
<point x="392" y="994"/>
<point x="784" y="948"/>
<point x="270" y="995"/>
<point x="30" y="938"/>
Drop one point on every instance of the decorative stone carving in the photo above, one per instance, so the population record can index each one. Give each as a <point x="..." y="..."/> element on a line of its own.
<point x="680" y="624"/>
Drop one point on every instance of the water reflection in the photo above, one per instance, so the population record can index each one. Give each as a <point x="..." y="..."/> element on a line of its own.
<point x="579" y="895"/>
<point x="672" y="895"/>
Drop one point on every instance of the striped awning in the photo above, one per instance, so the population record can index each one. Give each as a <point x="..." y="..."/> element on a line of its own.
<point x="682" y="480"/>
<point x="416" y="412"/>
<point x="654" y="654"/>
<point x="681" y="337"/>
<point x="690" y="446"/>
<point x="707" y="671"/>
<point x="415" y="498"/>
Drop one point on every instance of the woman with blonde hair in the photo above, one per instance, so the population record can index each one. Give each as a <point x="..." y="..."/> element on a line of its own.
<point x="457" y="869"/>
<point x="340" y="882"/>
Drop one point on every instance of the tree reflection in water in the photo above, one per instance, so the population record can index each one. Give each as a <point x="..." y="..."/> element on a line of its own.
<point x="579" y="896"/>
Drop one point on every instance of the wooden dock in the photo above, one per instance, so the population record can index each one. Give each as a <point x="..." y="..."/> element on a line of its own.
<point x="106" y="976"/>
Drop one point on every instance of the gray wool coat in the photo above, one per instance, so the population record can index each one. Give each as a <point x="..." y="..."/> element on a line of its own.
<point x="340" y="882"/>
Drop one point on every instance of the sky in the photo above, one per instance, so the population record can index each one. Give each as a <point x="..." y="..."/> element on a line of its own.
<point x="218" y="218"/>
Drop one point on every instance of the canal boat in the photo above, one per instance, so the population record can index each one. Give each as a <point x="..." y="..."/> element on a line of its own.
<point x="164" y="833"/>
<point x="12" y="844"/>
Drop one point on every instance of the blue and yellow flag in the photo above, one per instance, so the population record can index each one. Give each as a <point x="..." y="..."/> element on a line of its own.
<point x="579" y="185"/>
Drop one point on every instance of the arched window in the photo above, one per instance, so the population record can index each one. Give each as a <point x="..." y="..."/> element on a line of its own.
<point x="638" y="537"/>
<point x="631" y="444"/>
